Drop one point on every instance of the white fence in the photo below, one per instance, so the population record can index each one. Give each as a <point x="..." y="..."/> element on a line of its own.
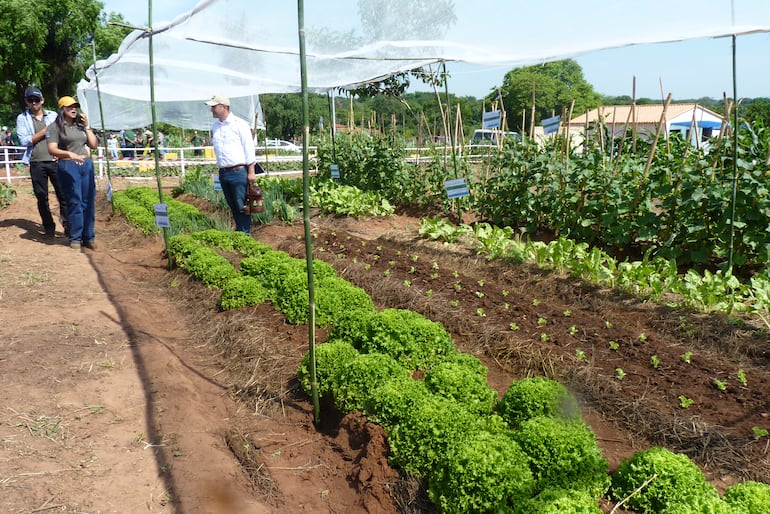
<point x="143" y="159"/>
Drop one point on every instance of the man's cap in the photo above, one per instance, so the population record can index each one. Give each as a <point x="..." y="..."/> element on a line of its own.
<point x="67" y="101"/>
<point x="218" y="99"/>
<point x="33" y="91"/>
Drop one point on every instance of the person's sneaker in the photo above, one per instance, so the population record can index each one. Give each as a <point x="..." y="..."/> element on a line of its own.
<point x="91" y="245"/>
<point x="75" y="245"/>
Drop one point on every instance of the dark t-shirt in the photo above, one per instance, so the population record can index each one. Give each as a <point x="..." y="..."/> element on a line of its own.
<point x="40" y="149"/>
<point x="72" y="139"/>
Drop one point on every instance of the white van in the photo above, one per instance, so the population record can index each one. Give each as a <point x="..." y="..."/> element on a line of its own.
<point x="489" y="136"/>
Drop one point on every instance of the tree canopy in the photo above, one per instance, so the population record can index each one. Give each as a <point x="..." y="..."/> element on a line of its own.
<point x="555" y="86"/>
<point x="47" y="43"/>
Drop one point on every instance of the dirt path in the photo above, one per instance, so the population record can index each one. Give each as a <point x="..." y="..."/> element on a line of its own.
<point x="98" y="410"/>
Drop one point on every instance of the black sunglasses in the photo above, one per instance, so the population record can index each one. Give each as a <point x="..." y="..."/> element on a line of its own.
<point x="33" y="99"/>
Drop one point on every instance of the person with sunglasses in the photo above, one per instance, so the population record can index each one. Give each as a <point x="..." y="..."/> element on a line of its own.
<point x="31" y="126"/>
<point x="71" y="140"/>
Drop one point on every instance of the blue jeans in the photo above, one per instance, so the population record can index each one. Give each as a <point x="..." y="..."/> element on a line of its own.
<point x="79" y="191"/>
<point x="234" y="185"/>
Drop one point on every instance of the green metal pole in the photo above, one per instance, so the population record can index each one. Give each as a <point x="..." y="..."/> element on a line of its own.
<point x="101" y="117"/>
<point x="451" y="138"/>
<point x="306" y="212"/>
<point x="155" y="123"/>
<point x="734" y="193"/>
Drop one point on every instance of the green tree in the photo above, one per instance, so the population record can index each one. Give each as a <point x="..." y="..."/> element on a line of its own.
<point x="757" y="109"/>
<point x="47" y="43"/>
<point x="556" y="85"/>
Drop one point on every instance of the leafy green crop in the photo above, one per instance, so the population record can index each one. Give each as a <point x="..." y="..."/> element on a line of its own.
<point x="748" y="496"/>
<point x="537" y="396"/>
<point x="331" y="358"/>
<point x="462" y="383"/>
<point x="563" y="453"/>
<point x="486" y="473"/>
<point x="670" y="479"/>
<point x="561" y="501"/>
<point x="408" y="337"/>
<point x="359" y="377"/>
<point x="242" y="291"/>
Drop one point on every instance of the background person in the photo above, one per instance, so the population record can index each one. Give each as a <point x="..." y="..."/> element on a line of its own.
<point x="31" y="127"/>
<point x="234" y="148"/>
<point x="71" y="140"/>
<point x="197" y="143"/>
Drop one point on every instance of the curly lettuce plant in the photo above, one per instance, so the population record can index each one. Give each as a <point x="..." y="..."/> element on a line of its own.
<point x="463" y="383"/>
<point x="537" y="396"/>
<point x="486" y="473"/>
<point x="408" y="337"/>
<point x="664" y="479"/>
<point x="563" y="452"/>
<point x="331" y="358"/>
<point x="360" y="376"/>
<point x="748" y="496"/>
<point x="242" y="291"/>
<point x="556" y="500"/>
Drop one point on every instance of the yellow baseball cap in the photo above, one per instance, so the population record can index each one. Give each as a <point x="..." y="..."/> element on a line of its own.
<point x="68" y="101"/>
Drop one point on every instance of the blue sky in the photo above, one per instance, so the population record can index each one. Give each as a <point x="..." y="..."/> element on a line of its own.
<point x="688" y="69"/>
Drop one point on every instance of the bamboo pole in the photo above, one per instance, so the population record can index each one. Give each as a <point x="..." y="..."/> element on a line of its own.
<point x="532" y="117"/>
<point x="663" y="99"/>
<point x="306" y="214"/>
<point x="661" y="125"/>
<point x="634" y="127"/>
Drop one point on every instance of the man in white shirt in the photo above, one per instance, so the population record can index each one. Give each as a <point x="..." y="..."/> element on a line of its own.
<point x="234" y="147"/>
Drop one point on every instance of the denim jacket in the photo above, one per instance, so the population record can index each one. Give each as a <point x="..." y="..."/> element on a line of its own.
<point x="25" y="129"/>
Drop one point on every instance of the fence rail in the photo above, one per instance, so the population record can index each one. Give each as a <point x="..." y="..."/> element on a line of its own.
<point x="137" y="158"/>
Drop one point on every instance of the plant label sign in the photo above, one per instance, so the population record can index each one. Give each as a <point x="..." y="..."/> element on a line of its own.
<point x="335" y="169"/>
<point x="161" y="214"/>
<point x="456" y="188"/>
<point x="217" y="184"/>
<point x="490" y="119"/>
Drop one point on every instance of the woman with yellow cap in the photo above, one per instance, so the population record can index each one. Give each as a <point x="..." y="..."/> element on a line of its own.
<point x="70" y="139"/>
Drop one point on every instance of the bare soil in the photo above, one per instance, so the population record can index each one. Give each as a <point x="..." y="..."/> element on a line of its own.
<point x="124" y="389"/>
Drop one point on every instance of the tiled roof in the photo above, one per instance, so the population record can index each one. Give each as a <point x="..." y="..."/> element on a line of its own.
<point x="645" y="114"/>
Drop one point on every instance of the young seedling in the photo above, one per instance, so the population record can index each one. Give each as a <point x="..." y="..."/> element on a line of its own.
<point x="429" y="292"/>
<point x="655" y="361"/>
<point x="759" y="433"/>
<point x="391" y="263"/>
<point x="684" y="401"/>
<point x="455" y="274"/>
<point x="458" y="287"/>
<point x="607" y="324"/>
<point x="686" y="357"/>
<point x="742" y="377"/>
<point x="542" y="321"/>
<point x="433" y="276"/>
<point x="386" y="272"/>
<point x="504" y="292"/>
<point x="581" y="356"/>
<point x="480" y="312"/>
<point x="620" y="374"/>
<point x="434" y="265"/>
<point x="411" y="270"/>
<point x="415" y="257"/>
<point x="407" y="283"/>
<point x="567" y="313"/>
<point x="544" y="337"/>
<point x="479" y="294"/>
<point x="535" y="302"/>
<point x="514" y="326"/>
<point x="573" y="330"/>
<point x="720" y="385"/>
<point x="506" y="306"/>
<point x="613" y="345"/>
<point x="480" y="283"/>
<point x="454" y="303"/>
<point x="643" y="337"/>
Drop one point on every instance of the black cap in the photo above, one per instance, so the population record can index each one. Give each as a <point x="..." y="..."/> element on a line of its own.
<point x="33" y="91"/>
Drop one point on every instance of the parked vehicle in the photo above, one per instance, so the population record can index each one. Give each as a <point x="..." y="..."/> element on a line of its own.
<point x="490" y="136"/>
<point x="277" y="144"/>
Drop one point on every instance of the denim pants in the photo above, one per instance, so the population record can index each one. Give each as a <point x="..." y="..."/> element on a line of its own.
<point x="234" y="185"/>
<point x="79" y="191"/>
<point x="41" y="172"/>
